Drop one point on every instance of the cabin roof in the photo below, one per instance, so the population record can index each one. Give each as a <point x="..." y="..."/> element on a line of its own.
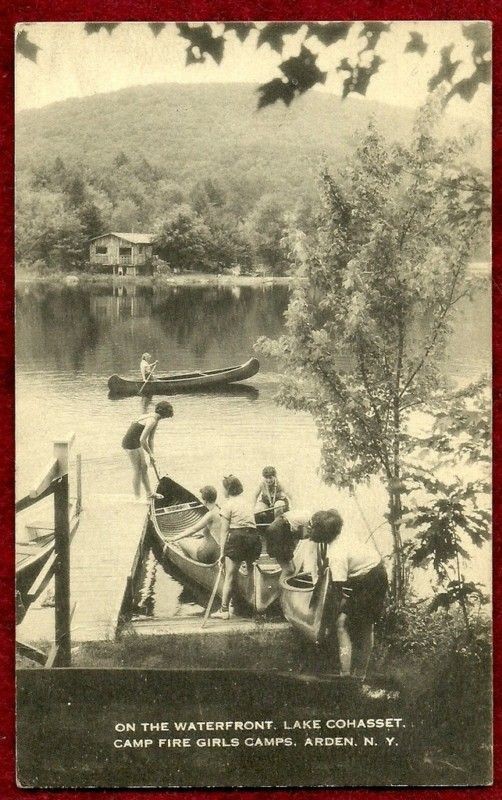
<point x="134" y="238"/>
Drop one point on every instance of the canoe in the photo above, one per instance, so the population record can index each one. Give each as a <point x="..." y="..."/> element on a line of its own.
<point x="306" y="605"/>
<point x="178" y="510"/>
<point x="185" y="381"/>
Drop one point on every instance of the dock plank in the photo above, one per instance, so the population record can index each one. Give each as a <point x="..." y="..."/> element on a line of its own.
<point x="102" y="555"/>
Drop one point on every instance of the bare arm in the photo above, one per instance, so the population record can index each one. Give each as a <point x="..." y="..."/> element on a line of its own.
<point x="147" y="369"/>
<point x="197" y="526"/>
<point x="288" y="495"/>
<point x="146" y="438"/>
<point x="203" y="522"/>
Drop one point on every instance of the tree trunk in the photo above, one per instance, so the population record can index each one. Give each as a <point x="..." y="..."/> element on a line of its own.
<point x="396" y="509"/>
<point x="462" y="602"/>
<point x="397" y="579"/>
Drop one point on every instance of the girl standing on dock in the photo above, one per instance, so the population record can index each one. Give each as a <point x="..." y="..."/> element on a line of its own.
<point x="239" y="539"/>
<point x="138" y="441"/>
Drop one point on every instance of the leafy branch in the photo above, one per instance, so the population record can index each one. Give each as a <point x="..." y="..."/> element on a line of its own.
<point x="300" y="72"/>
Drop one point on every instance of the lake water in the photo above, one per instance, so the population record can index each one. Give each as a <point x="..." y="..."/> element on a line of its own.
<point x="70" y="339"/>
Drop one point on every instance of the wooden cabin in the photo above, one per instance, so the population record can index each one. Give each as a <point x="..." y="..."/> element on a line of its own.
<point x="126" y="253"/>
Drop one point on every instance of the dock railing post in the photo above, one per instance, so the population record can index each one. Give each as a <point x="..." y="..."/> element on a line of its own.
<point x="78" y="507"/>
<point x="62" y="551"/>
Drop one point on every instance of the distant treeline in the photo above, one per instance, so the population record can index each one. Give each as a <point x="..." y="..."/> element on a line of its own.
<point x="203" y="226"/>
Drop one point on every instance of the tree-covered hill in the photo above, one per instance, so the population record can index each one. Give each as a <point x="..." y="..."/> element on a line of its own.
<point x="198" y="130"/>
<point x="196" y="163"/>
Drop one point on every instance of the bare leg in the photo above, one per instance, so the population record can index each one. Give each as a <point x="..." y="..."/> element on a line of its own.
<point x="190" y="547"/>
<point x="144" y="474"/>
<point x="231" y="570"/>
<point x="344" y="644"/>
<point x="364" y="649"/>
<point x="135" y="458"/>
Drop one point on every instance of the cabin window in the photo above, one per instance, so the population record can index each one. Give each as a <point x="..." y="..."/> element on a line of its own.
<point x="140" y="248"/>
<point x="125" y="251"/>
<point x="101" y="251"/>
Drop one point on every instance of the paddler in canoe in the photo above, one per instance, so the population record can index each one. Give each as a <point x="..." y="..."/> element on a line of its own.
<point x="360" y="585"/>
<point x="239" y="539"/>
<point x="138" y="443"/>
<point x="147" y="367"/>
<point x="204" y="547"/>
<point x="270" y="492"/>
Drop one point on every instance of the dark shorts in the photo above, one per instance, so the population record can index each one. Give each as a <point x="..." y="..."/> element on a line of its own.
<point x="365" y="595"/>
<point x="281" y="543"/>
<point x="243" y="544"/>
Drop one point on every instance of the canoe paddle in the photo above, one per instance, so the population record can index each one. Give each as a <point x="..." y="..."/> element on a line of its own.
<point x="213" y="595"/>
<point x="149" y="376"/>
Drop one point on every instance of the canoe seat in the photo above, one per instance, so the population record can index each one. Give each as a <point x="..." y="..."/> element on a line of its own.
<point x="302" y="581"/>
<point x="177" y="508"/>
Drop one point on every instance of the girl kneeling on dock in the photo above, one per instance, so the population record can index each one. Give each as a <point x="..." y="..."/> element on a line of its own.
<point x="361" y="583"/>
<point x="138" y="441"/>
<point x="239" y="539"/>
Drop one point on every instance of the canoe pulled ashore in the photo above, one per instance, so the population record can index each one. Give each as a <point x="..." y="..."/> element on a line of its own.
<point x="178" y="510"/>
<point x="185" y="381"/>
<point x="307" y="605"/>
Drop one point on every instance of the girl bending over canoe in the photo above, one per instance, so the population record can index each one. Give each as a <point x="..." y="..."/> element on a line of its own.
<point x="284" y="534"/>
<point x="360" y="582"/>
<point x="138" y="442"/>
<point x="239" y="539"/>
<point x="205" y="547"/>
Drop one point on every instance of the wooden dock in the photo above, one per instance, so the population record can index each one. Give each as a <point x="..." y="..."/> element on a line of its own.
<point x="103" y="552"/>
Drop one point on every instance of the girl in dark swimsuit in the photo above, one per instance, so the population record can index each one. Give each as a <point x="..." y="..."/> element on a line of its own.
<point x="138" y="441"/>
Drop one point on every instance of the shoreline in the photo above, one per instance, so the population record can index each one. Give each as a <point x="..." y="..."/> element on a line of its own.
<point x="481" y="269"/>
<point x="156" y="281"/>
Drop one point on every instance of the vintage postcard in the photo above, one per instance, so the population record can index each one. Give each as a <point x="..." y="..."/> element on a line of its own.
<point x="253" y="404"/>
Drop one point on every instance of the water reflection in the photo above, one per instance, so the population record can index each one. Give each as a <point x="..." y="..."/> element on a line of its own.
<point x="161" y="593"/>
<point x="242" y="390"/>
<point x="107" y="328"/>
<point x="71" y="338"/>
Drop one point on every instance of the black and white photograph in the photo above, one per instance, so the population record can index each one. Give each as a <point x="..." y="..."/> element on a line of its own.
<point x="253" y="404"/>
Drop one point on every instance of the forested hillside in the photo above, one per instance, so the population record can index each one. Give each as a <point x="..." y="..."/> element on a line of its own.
<point x="197" y="164"/>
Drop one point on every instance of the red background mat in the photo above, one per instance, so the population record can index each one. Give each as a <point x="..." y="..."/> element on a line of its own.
<point x="118" y="10"/>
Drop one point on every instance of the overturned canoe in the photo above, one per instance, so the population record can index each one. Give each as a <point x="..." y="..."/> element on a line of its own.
<point x="178" y="510"/>
<point x="307" y="605"/>
<point x="185" y="381"/>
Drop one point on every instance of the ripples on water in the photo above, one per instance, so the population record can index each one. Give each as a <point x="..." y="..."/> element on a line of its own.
<point x="70" y="339"/>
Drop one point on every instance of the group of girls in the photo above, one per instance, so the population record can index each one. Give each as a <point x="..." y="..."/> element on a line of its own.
<point x="228" y="532"/>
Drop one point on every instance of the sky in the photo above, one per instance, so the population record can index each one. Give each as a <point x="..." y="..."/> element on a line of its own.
<point x="73" y="64"/>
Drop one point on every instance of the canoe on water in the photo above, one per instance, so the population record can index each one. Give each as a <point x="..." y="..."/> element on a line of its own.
<point x="178" y="510"/>
<point x="185" y="381"/>
<point x="307" y="605"/>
